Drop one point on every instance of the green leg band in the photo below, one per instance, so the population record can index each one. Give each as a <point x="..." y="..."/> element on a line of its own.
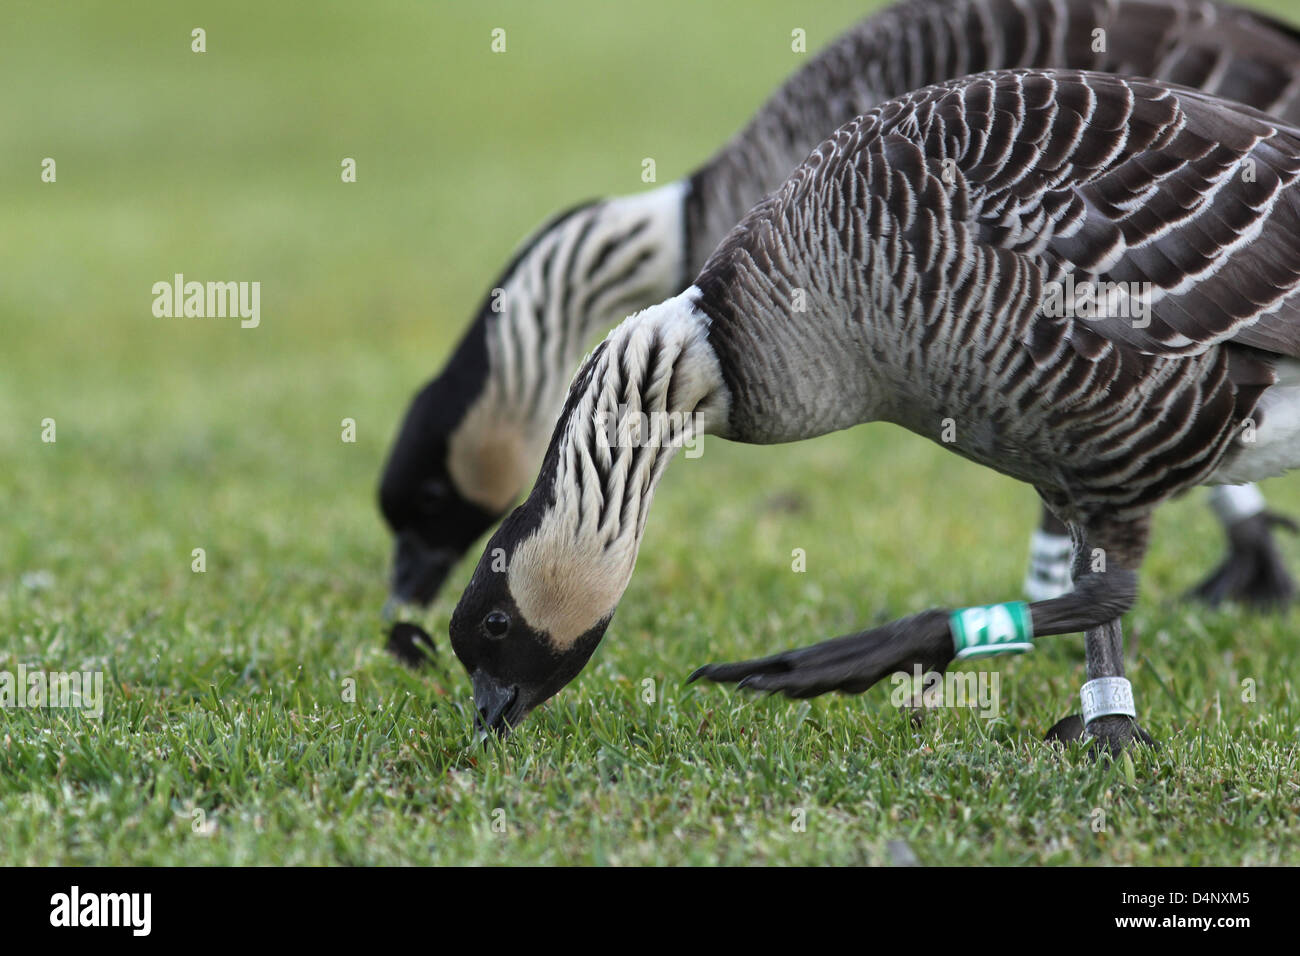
<point x="992" y="629"/>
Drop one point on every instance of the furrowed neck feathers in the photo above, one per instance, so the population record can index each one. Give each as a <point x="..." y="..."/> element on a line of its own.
<point x="575" y="278"/>
<point x="651" y="387"/>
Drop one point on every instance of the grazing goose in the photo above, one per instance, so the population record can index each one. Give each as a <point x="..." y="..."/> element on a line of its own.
<point x="933" y="243"/>
<point x="473" y="437"/>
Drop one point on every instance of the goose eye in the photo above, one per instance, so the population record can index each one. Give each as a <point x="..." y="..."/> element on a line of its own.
<point x="496" y="624"/>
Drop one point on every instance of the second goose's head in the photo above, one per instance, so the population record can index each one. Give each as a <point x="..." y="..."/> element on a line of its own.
<point x="468" y="445"/>
<point x="474" y="435"/>
<point x="430" y="500"/>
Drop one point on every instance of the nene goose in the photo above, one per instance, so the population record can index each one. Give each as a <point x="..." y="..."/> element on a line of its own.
<point x="925" y="265"/>
<point x="474" y="436"/>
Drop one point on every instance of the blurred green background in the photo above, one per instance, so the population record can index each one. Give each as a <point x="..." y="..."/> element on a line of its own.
<point x="226" y="165"/>
<point x="175" y="434"/>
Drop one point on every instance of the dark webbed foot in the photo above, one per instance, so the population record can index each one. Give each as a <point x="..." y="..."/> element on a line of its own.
<point x="1110" y="735"/>
<point x="1065" y="730"/>
<point x="1253" y="571"/>
<point x="848" y="664"/>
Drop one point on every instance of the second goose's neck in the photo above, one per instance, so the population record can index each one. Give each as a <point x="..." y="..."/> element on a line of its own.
<point x="575" y="278"/>
<point x="579" y="276"/>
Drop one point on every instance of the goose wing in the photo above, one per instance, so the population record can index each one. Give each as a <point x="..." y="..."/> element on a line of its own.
<point x="1187" y="200"/>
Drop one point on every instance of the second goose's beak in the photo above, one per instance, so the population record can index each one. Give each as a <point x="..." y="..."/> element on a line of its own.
<point x="496" y="705"/>
<point x="418" y="570"/>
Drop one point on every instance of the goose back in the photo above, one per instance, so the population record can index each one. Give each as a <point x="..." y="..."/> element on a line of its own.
<point x="901" y="273"/>
<point x="1230" y="52"/>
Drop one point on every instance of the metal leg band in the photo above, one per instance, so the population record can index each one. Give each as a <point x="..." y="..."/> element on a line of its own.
<point x="1107" y="695"/>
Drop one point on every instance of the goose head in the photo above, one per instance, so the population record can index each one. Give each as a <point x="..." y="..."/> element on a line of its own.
<point x="552" y="575"/>
<point x="528" y="622"/>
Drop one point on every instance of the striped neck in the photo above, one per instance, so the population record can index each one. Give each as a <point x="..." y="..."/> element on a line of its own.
<point x="586" y="272"/>
<point x="574" y="279"/>
<point x="652" y="387"/>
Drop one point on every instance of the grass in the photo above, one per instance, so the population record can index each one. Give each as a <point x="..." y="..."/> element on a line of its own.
<point x="231" y="733"/>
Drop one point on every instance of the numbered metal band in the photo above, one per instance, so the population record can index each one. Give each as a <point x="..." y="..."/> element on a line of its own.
<point x="1107" y="695"/>
<point x="992" y="629"/>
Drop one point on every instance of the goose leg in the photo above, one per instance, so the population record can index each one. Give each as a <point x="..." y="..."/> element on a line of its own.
<point x="1253" y="571"/>
<point x="853" y="663"/>
<point x="1110" y="733"/>
<point x="1107" y="689"/>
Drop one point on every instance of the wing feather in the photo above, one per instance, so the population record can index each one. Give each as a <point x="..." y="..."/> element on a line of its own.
<point x="1192" y="202"/>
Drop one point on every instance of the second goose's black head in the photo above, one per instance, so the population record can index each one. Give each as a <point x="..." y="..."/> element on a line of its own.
<point x="460" y="458"/>
<point x="431" y="518"/>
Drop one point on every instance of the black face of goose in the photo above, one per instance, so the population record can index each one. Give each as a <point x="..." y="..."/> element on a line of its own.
<point x="552" y="575"/>
<point x="434" y="524"/>
<point x="513" y="666"/>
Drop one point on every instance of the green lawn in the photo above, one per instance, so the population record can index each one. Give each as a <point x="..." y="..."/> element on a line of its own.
<point x="227" y="736"/>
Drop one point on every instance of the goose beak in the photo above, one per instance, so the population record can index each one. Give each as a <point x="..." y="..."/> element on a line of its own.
<point x="418" y="571"/>
<point x="496" y="703"/>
